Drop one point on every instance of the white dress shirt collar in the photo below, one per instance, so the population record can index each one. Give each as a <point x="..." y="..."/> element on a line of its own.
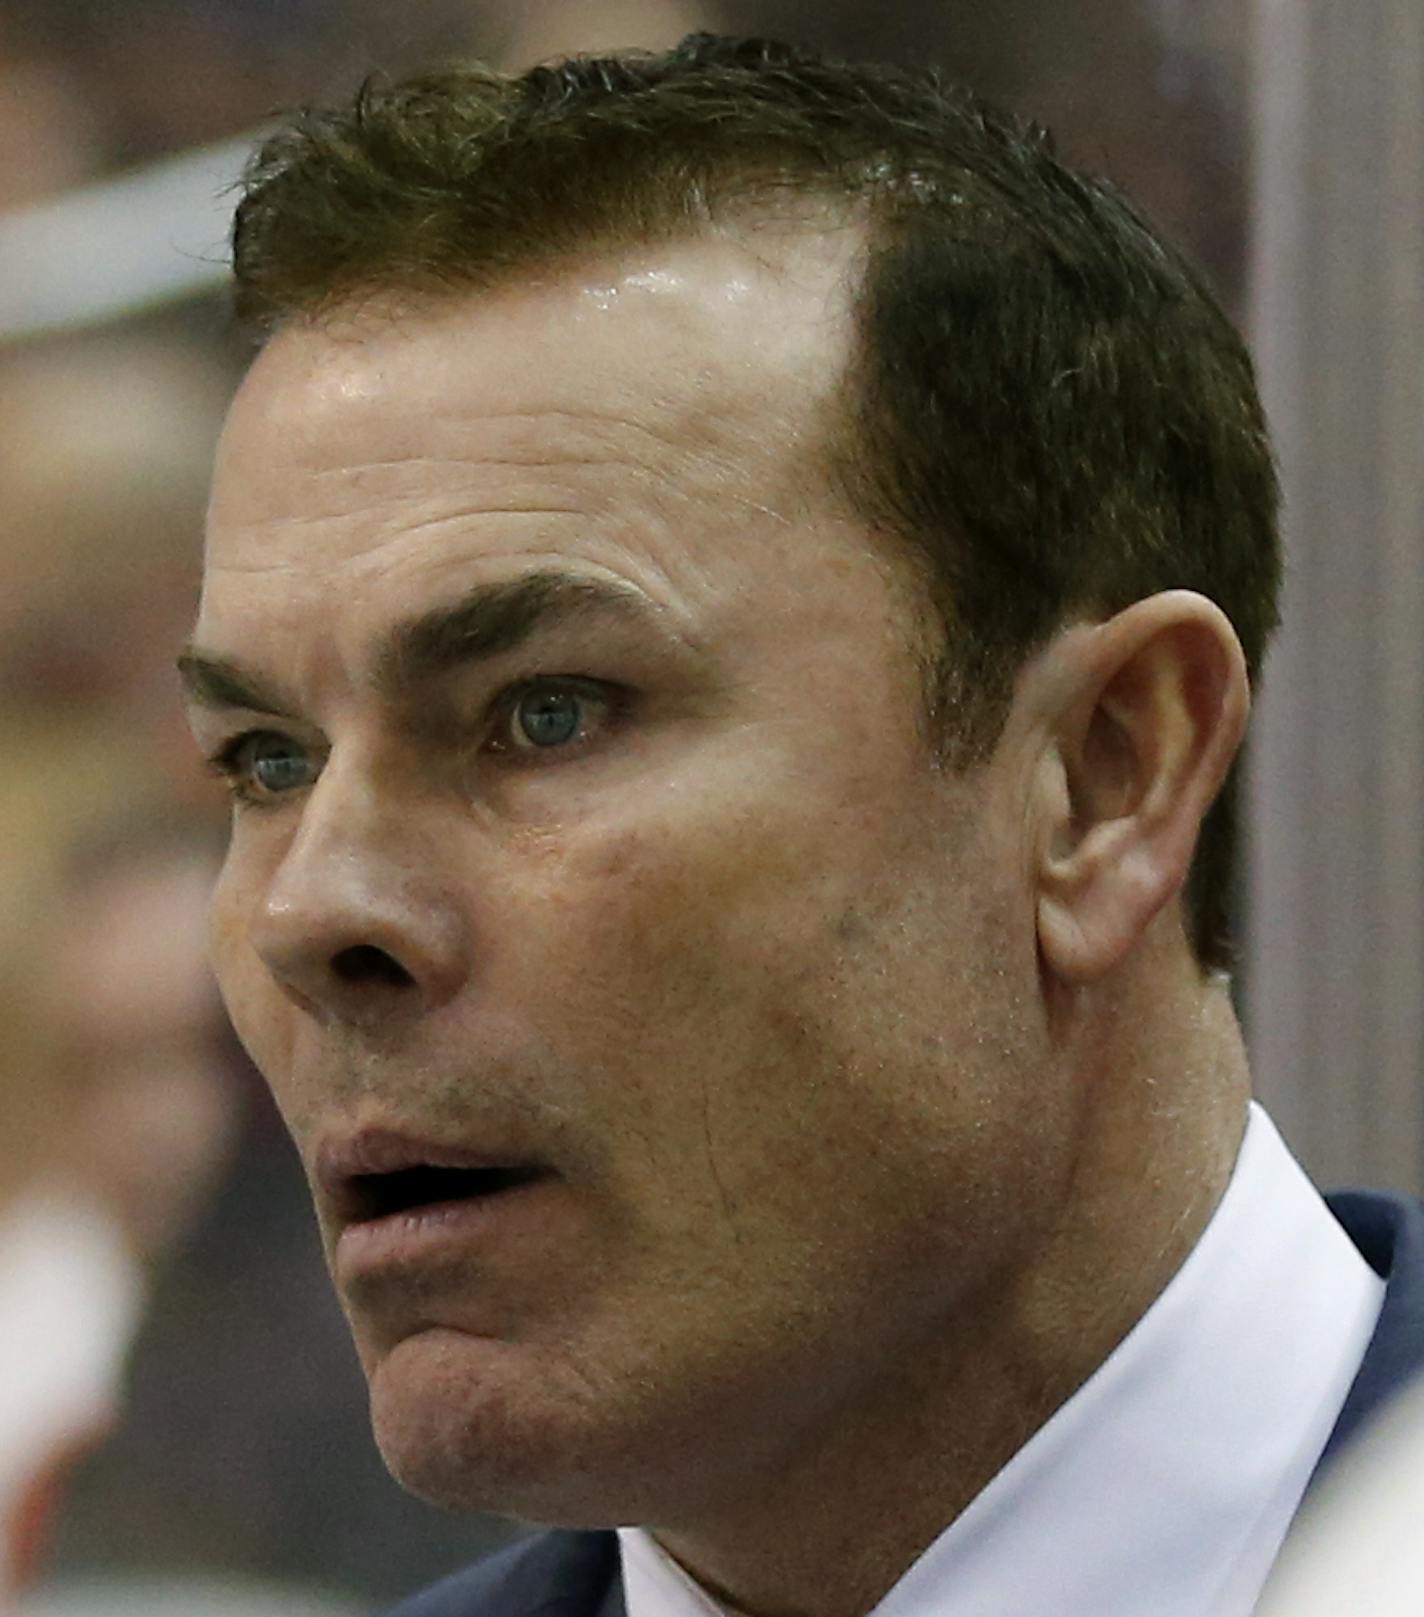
<point x="1166" y="1483"/>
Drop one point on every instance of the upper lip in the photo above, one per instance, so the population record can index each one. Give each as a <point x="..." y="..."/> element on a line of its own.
<point x="353" y="1171"/>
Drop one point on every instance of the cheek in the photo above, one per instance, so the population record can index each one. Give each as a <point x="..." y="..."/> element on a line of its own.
<point x="717" y="986"/>
<point x="658" y="959"/>
<point x="741" y="870"/>
<point x="671" y="924"/>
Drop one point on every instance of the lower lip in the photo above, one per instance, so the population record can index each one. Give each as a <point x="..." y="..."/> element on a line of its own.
<point x="426" y="1234"/>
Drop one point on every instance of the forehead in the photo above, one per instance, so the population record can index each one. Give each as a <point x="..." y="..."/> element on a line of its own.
<point x="686" y="354"/>
<point x="654" y="419"/>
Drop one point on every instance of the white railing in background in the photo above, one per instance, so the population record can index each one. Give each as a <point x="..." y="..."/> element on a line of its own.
<point x="119" y="246"/>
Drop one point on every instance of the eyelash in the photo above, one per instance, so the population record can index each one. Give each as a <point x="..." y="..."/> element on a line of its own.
<point x="613" y="700"/>
<point x="226" y="762"/>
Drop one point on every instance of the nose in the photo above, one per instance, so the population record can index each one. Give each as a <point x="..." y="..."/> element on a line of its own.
<point x="359" y="923"/>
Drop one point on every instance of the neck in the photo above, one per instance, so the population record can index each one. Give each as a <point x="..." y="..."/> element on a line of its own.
<point x="1160" y="1130"/>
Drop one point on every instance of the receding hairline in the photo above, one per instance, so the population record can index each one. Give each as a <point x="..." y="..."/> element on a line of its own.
<point x="769" y="221"/>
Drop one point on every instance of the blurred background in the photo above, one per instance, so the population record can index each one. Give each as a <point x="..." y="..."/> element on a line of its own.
<point x="205" y="1449"/>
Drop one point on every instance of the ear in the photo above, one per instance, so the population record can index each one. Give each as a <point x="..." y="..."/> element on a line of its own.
<point x="1146" y="712"/>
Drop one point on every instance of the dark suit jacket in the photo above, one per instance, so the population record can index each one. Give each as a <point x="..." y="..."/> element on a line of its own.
<point x="565" y="1574"/>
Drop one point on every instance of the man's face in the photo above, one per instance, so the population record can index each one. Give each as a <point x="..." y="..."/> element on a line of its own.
<point x="591" y="846"/>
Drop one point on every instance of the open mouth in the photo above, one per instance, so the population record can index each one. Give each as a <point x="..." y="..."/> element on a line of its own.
<point x="369" y="1196"/>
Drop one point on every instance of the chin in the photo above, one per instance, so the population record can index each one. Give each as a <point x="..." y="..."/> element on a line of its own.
<point x="464" y="1426"/>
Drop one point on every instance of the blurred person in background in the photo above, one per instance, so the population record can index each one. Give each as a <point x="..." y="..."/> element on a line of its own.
<point x="114" y="1111"/>
<point x="730" y="601"/>
<point x="105" y="445"/>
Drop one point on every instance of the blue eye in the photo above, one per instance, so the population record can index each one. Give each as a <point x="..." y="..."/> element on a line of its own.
<point x="261" y="765"/>
<point x="548" y="717"/>
<point x="279" y="766"/>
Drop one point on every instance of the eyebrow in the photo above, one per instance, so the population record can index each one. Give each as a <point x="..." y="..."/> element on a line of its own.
<point x="485" y="622"/>
<point x="219" y="682"/>
<point x="495" y="618"/>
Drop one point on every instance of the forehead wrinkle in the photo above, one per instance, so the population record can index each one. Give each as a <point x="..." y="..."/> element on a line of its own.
<point x="680" y="427"/>
<point x="587" y="435"/>
<point x="400" y="480"/>
<point x="643" y="423"/>
<point x="683" y="452"/>
<point x="383" y="531"/>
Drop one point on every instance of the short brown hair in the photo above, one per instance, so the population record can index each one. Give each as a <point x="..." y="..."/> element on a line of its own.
<point x="1047" y="407"/>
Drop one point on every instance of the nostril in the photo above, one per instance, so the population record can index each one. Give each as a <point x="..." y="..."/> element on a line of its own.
<point x="365" y="963"/>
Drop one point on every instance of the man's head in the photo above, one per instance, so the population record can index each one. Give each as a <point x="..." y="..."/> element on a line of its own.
<point x="700" y="1019"/>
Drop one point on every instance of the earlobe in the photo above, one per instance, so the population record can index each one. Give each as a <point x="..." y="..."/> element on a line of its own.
<point x="1150" y="708"/>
